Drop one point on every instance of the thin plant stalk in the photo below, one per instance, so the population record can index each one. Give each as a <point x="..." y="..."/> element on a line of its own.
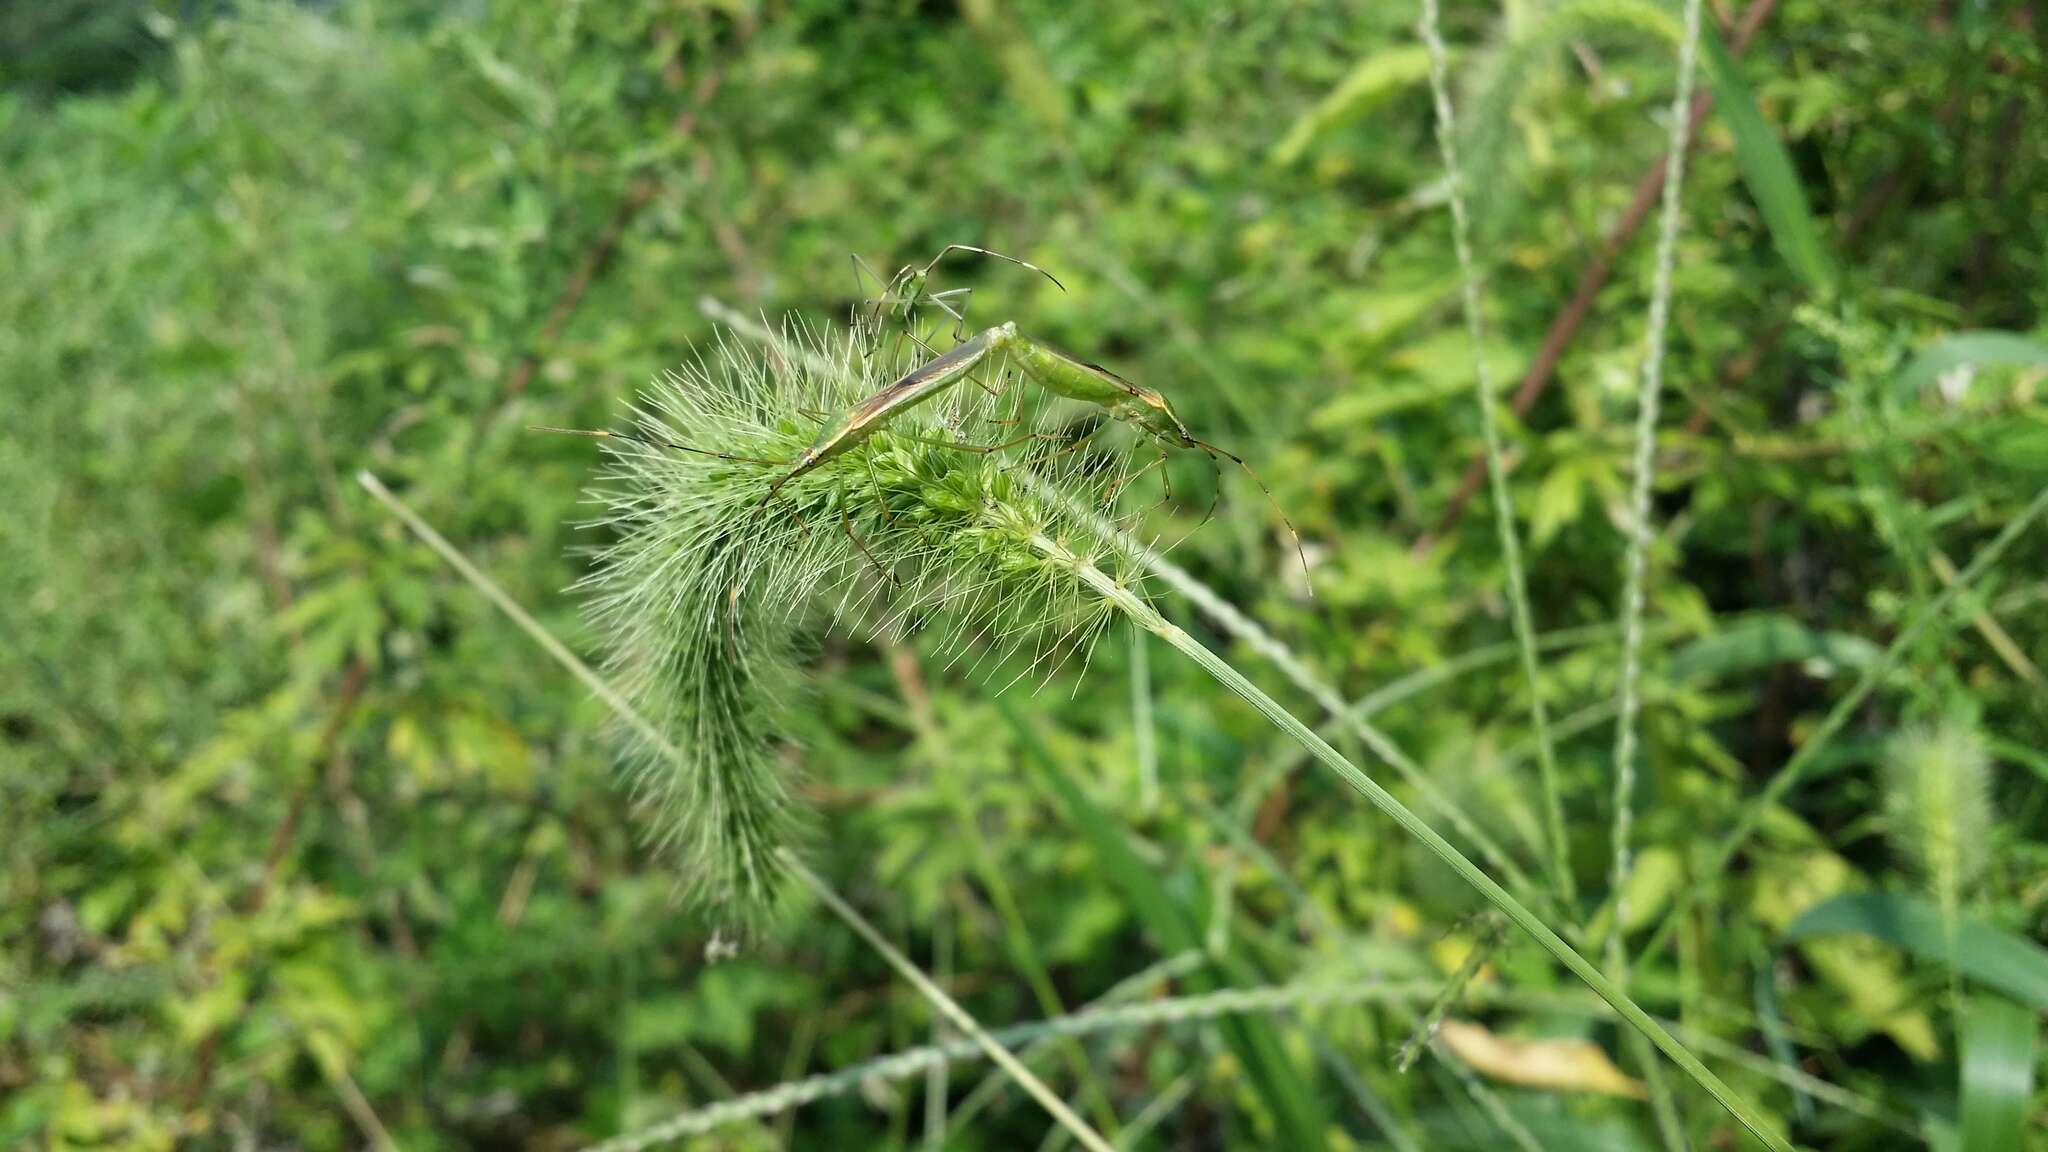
<point x="1350" y="717"/>
<point x="1645" y="469"/>
<point x="1640" y="536"/>
<point x="943" y="1003"/>
<point x="1496" y="466"/>
<point x="948" y="1007"/>
<point x="1297" y="997"/>
<point x="1144" y="738"/>
<point x="1145" y="616"/>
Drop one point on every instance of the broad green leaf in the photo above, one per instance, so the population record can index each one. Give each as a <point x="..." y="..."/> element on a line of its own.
<point x="1978" y="348"/>
<point x="1768" y="171"/>
<point x="1558" y="500"/>
<point x="1991" y="956"/>
<point x="1998" y="1044"/>
<point x="1870" y="981"/>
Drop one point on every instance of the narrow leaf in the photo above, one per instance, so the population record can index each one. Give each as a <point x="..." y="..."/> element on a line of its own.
<point x="1760" y="640"/>
<point x="1991" y="956"/>
<point x="1767" y="170"/>
<point x="1998" y="1074"/>
<point x="1976" y="348"/>
<point x="1376" y="80"/>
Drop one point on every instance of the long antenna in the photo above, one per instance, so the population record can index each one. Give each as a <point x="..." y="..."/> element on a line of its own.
<point x="1299" y="553"/>
<point x="998" y="255"/>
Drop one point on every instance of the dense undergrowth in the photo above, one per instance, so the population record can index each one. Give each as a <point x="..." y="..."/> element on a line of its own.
<point x="305" y="845"/>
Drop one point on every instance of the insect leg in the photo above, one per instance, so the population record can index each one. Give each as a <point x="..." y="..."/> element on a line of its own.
<point x="1109" y="493"/>
<point x="846" y="525"/>
<point x="1299" y="553"/>
<point x="979" y="449"/>
<point x="866" y="316"/>
<point x="959" y="315"/>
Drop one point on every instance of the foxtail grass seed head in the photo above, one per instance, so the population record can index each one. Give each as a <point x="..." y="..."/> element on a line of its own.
<point x="711" y="588"/>
<point x="1938" y="803"/>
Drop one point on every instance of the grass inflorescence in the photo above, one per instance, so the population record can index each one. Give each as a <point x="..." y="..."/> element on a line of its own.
<point x="711" y="588"/>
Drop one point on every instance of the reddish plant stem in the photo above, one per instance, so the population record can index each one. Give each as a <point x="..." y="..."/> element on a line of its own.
<point x="1572" y="317"/>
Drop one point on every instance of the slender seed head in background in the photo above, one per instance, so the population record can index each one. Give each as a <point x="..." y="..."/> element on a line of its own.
<point x="1938" y="803"/>
<point x="709" y="588"/>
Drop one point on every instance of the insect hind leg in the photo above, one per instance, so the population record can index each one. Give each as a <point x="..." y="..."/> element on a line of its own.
<point x="1300" y="553"/>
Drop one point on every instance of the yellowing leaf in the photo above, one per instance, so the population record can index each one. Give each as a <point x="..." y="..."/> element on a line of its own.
<point x="1554" y="1065"/>
<point x="1867" y="975"/>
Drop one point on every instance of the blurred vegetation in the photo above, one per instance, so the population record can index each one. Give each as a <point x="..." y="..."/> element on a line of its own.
<point x="304" y="846"/>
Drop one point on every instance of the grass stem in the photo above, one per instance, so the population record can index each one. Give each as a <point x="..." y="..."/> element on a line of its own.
<point x="1133" y="606"/>
<point x="1496" y="465"/>
<point x="947" y="1006"/>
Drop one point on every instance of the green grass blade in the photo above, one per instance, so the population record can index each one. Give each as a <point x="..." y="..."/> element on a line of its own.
<point x="1986" y="347"/>
<point x="1998" y="1046"/>
<point x="1763" y="639"/>
<point x="1285" y="1089"/>
<point x="1767" y="170"/>
<point x="1137" y="609"/>
<point x="1991" y="956"/>
<point x="1373" y="82"/>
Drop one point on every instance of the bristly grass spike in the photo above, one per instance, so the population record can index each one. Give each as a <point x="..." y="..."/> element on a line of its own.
<point x="1145" y="409"/>
<point x="706" y="605"/>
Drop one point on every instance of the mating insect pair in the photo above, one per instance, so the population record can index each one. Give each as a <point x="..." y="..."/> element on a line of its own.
<point x="1143" y="409"/>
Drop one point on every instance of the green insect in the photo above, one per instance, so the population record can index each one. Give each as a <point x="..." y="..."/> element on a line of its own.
<point x="1143" y="408"/>
<point x="853" y="427"/>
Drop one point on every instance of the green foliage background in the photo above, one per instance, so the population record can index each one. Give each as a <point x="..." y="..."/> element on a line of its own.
<point x="303" y="843"/>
